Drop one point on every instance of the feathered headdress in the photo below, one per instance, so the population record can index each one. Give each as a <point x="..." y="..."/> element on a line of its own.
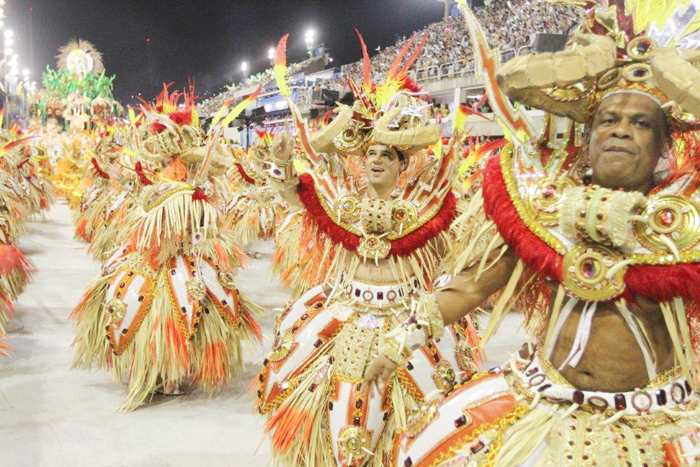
<point x="80" y="56"/>
<point x="392" y="113"/>
<point x="173" y="130"/>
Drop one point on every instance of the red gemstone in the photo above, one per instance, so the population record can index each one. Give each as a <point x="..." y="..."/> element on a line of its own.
<point x="667" y="217"/>
<point x="399" y="215"/>
<point x="588" y="267"/>
<point x="549" y="191"/>
<point x="372" y="242"/>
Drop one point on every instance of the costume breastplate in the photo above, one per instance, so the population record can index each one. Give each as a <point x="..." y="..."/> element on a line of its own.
<point x="586" y="243"/>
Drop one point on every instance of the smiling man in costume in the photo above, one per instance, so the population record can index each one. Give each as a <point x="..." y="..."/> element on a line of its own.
<point x="602" y="233"/>
<point x="368" y="249"/>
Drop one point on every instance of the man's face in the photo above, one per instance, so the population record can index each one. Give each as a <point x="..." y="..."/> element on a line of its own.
<point x="627" y="138"/>
<point x="383" y="165"/>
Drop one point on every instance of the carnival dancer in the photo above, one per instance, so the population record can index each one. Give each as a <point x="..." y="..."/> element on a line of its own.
<point x="33" y="192"/>
<point x="166" y="309"/>
<point x="372" y="253"/>
<point x="255" y="210"/>
<point x="124" y="193"/>
<point x="602" y="235"/>
<point x="96" y="193"/>
<point x="15" y="268"/>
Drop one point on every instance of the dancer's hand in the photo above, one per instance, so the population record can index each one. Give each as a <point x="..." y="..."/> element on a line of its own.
<point x="282" y="145"/>
<point x="379" y="373"/>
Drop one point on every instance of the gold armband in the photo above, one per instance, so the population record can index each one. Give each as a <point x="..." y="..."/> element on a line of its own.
<point x="282" y="174"/>
<point x="601" y="215"/>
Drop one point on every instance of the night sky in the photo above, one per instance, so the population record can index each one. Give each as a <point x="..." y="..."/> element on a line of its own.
<point x="204" y="40"/>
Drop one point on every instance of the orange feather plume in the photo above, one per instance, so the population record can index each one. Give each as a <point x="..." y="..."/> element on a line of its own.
<point x="366" y="65"/>
<point x="280" y="67"/>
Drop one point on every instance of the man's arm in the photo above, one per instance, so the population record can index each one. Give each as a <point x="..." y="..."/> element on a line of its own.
<point x="465" y="292"/>
<point x="456" y="300"/>
<point x="281" y="149"/>
<point x="291" y="197"/>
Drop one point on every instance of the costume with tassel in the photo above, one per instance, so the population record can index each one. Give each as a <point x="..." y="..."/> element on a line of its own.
<point x="166" y="309"/>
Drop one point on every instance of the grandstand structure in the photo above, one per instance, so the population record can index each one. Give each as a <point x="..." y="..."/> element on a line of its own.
<point x="445" y="69"/>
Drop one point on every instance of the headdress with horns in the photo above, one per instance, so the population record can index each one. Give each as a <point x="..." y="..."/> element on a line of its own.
<point x="378" y="108"/>
<point x="642" y="45"/>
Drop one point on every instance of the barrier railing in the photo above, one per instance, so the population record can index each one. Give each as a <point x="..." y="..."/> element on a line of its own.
<point x="456" y="69"/>
<point x="463" y="67"/>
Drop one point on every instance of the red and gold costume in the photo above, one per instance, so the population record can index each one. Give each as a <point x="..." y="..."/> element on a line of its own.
<point x="365" y="264"/>
<point x="577" y="244"/>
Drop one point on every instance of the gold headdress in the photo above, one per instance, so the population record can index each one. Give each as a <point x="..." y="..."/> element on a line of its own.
<point x="394" y="112"/>
<point x="638" y="45"/>
<point x="55" y="107"/>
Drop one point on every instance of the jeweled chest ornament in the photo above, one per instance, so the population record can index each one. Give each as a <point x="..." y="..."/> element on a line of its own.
<point x="588" y="272"/>
<point x="376" y="219"/>
<point x="545" y="195"/>
<point x="601" y="232"/>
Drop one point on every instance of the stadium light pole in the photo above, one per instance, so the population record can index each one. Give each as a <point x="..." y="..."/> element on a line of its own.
<point x="271" y="55"/>
<point x="244" y="69"/>
<point x="310" y="39"/>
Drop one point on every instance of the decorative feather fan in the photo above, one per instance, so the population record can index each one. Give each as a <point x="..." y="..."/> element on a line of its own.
<point x="80" y="55"/>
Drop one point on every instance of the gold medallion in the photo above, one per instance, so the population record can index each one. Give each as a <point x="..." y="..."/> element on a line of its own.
<point x="349" y="208"/>
<point x="586" y="268"/>
<point x="116" y="310"/>
<point x="544" y="198"/>
<point x="373" y="247"/>
<point x="675" y="218"/>
<point x="352" y="440"/>
<point x="444" y="376"/>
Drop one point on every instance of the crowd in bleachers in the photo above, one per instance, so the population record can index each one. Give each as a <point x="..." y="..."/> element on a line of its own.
<point x="211" y="105"/>
<point x="509" y="25"/>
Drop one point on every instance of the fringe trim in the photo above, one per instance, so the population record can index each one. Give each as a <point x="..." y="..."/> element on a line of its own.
<point x="112" y="232"/>
<point x="89" y="221"/>
<point x="529" y="247"/>
<point x="159" y="353"/>
<point x="246" y="223"/>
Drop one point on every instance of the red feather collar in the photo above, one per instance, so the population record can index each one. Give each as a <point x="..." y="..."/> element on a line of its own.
<point x="657" y="283"/>
<point x="243" y="174"/>
<point x="403" y="246"/>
